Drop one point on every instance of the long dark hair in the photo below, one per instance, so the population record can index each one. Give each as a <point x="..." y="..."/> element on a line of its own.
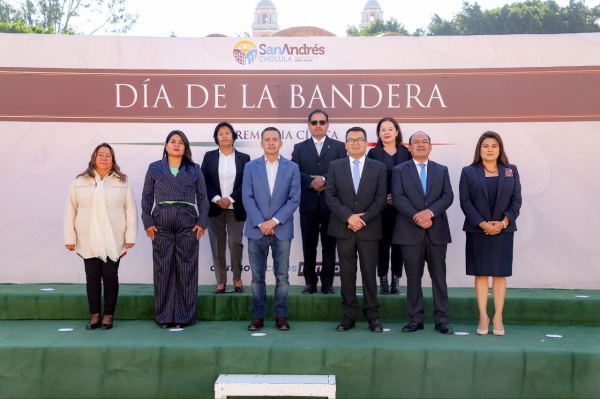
<point x="187" y="153"/>
<point x="502" y="157"/>
<point x="396" y="125"/>
<point x="89" y="172"/>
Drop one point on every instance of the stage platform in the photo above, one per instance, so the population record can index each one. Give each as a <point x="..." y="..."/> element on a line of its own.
<point x="138" y="359"/>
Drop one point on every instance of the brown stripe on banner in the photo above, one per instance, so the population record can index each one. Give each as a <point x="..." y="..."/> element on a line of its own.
<point x="436" y="96"/>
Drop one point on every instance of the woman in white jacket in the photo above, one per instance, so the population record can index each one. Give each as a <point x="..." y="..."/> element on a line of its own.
<point x="100" y="223"/>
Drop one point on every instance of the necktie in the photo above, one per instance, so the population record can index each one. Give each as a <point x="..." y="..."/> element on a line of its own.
<point x="319" y="146"/>
<point x="423" y="178"/>
<point x="356" y="176"/>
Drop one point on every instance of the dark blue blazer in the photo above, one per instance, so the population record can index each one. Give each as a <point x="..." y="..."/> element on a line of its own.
<point x="474" y="199"/>
<point x="402" y="155"/>
<point x="408" y="198"/>
<point x="160" y="185"/>
<point x="344" y="202"/>
<point x="262" y="206"/>
<point x="210" y="169"/>
<point x="311" y="163"/>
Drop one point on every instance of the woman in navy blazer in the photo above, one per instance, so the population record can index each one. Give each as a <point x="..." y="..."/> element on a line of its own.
<point x="223" y="171"/>
<point x="391" y="152"/>
<point x="490" y="197"/>
<point x="173" y="187"/>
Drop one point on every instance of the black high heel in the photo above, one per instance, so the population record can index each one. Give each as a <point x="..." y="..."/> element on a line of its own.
<point x="93" y="326"/>
<point x="106" y="326"/>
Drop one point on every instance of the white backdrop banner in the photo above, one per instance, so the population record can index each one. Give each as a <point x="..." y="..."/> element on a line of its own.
<point x="61" y="96"/>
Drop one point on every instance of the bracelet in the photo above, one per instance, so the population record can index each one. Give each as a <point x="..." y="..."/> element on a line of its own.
<point x="503" y="224"/>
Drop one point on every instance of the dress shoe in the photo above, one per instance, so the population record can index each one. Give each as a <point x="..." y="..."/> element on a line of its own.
<point x="375" y="325"/>
<point x="412" y="327"/>
<point x="309" y="289"/>
<point x="384" y="288"/>
<point x="164" y="325"/>
<point x="346" y="325"/>
<point x="444" y="328"/>
<point x="238" y="288"/>
<point x="220" y="290"/>
<point x="395" y="288"/>
<point x="282" y="324"/>
<point x="499" y="331"/>
<point x="93" y="326"/>
<point x="256" y="324"/>
<point x="106" y="326"/>
<point x="327" y="290"/>
<point x="484" y="331"/>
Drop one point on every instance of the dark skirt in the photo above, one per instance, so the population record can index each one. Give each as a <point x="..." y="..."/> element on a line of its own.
<point x="489" y="255"/>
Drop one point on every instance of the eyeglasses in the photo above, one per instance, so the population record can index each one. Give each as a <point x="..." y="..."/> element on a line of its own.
<point x="322" y="123"/>
<point x="355" y="141"/>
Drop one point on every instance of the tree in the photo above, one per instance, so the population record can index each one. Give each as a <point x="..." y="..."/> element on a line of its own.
<point x="528" y="17"/>
<point x="377" y="28"/>
<point x="20" y="27"/>
<point x="70" y="16"/>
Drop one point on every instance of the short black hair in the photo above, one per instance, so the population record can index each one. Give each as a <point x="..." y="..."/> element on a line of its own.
<point x="411" y="136"/>
<point x="267" y="129"/>
<point x="357" y="129"/>
<point x="228" y="125"/>
<point x="318" y="111"/>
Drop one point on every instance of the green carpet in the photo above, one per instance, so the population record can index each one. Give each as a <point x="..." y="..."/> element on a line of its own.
<point x="136" y="302"/>
<point x="137" y="359"/>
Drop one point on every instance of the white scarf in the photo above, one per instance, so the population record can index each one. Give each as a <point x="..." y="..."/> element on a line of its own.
<point x="101" y="233"/>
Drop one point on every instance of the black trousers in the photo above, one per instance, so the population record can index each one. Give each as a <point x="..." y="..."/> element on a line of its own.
<point x="97" y="272"/>
<point x="312" y="225"/>
<point x="388" y="223"/>
<point x="175" y="255"/>
<point x="352" y="252"/>
<point x="415" y="257"/>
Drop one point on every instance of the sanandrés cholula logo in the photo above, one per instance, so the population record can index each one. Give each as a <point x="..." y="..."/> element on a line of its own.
<point x="246" y="53"/>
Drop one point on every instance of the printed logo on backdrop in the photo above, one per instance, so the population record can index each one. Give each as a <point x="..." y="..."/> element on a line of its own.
<point x="318" y="267"/>
<point x="246" y="53"/>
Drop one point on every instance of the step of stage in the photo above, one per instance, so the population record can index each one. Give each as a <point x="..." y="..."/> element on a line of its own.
<point x="138" y="359"/>
<point x="136" y="302"/>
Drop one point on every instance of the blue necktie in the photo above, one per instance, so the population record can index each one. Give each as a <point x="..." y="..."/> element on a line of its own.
<point x="423" y="178"/>
<point x="356" y="176"/>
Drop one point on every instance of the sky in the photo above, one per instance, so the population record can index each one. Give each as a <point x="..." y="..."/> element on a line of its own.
<point x="198" y="18"/>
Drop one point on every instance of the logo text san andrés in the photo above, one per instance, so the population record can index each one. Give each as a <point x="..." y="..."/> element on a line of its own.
<point x="246" y="53"/>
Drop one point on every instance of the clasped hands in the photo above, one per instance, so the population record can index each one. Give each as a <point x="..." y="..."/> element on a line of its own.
<point x="224" y="203"/>
<point x="492" y="228"/>
<point x="197" y="229"/>
<point x="318" y="183"/>
<point x="423" y="219"/>
<point x="355" y="222"/>
<point x="267" y="227"/>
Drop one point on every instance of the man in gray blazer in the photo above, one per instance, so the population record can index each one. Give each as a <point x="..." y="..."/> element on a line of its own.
<point x="271" y="194"/>
<point x="356" y="192"/>
<point x="421" y="193"/>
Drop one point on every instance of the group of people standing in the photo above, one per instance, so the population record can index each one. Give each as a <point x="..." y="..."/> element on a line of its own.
<point x="385" y="206"/>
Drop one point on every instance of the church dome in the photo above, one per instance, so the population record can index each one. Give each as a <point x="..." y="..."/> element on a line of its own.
<point x="265" y="4"/>
<point x="372" y="4"/>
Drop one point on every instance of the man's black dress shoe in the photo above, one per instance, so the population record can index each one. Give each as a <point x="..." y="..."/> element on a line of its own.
<point x="345" y="325"/>
<point x="327" y="290"/>
<point x="282" y="324"/>
<point x="412" y="327"/>
<point x="256" y="324"/>
<point x="309" y="289"/>
<point x="92" y="326"/>
<point x="375" y="325"/>
<point x="444" y="328"/>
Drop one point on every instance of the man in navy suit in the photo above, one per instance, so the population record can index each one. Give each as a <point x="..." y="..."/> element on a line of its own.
<point x="356" y="193"/>
<point x="421" y="193"/>
<point x="313" y="157"/>
<point x="271" y="194"/>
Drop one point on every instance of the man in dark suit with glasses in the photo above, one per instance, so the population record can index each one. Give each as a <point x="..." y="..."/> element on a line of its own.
<point x="313" y="157"/>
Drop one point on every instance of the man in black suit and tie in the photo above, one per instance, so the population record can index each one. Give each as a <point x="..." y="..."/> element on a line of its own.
<point x="313" y="157"/>
<point x="356" y="192"/>
<point x="421" y="193"/>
